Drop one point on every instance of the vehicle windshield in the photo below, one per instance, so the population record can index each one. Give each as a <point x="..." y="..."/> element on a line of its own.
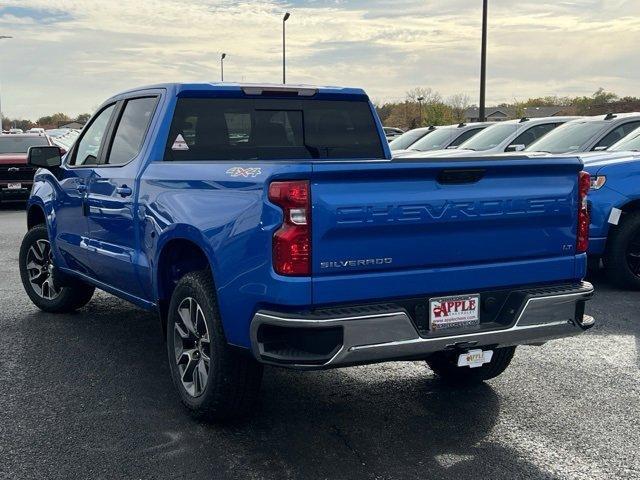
<point x="489" y="138"/>
<point x="629" y="143"/>
<point x="271" y="129"/>
<point x="407" y="139"/>
<point x="13" y="144"/>
<point x="566" y="138"/>
<point x="436" y="140"/>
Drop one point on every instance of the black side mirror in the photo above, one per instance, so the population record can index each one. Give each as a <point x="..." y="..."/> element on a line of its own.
<point x="44" y="157"/>
<point x="515" y="148"/>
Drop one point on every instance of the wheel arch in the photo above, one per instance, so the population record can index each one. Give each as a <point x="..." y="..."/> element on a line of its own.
<point x="182" y="251"/>
<point x="632" y="206"/>
<point x="35" y="215"/>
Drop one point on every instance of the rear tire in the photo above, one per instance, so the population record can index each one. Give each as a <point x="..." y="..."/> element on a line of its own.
<point x="214" y="380"/>
<point x="444" y="365"/>
<point x="38" y="278"/>
<point x="622" y="258"/>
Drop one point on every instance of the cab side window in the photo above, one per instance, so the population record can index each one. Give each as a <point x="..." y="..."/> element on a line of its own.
<point x="131" y="130"/>
<point x="616" y="134"/>
<point x="88" y="150"/>
<point x="534" y="133"/>
<point x="465" y="136"/>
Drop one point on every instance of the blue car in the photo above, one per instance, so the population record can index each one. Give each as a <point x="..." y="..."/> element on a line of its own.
<point x="269" y="225"/>
<point x="614" y="202"/>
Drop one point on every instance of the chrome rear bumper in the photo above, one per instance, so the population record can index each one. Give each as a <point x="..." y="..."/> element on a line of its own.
<point x="391" y="335"/>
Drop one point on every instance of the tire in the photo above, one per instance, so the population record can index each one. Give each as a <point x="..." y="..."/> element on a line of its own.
<point x="49" y="297"/>
<point x="444" y="365"/>
<point x="231" y="385"/>
<point x="622" y="258"/>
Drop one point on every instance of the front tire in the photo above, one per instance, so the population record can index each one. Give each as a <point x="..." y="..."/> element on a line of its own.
<point x="622" y="260"/>
<point x="444" y="365"/>
<point x="214" y="381"/>
<point x="38" y="277"/>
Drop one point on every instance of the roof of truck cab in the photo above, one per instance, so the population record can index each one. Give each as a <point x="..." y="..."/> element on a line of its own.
<point x="228" y="89"/>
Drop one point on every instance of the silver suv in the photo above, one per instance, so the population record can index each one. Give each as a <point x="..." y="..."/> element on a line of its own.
<point x="587" y="134"/>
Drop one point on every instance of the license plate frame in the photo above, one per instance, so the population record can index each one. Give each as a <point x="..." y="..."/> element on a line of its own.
<point x="14" y="186"/>
<point x="455" y="312"/>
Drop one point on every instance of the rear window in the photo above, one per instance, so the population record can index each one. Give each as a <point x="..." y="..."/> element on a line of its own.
<point x="269" y="129"/>
<point x="490" y="137"/>
<point x="568" y="137"/>
<point x="407" y="139"/>
<point x="436" y="140"/>
<point x="11" y="144"/>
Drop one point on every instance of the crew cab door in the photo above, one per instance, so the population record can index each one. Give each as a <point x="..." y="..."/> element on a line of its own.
<point x="111" y="198"/>
<point x="70" y="228"/>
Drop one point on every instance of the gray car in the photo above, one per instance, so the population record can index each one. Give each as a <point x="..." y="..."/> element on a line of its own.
<point x="587" y="134"/>
<point x="436" y="138"/>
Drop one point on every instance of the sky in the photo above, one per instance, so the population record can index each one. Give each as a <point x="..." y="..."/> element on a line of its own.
<point x="70" y="55"/>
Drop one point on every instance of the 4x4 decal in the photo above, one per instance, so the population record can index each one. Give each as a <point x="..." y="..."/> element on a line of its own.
<point x="244" y="172"/>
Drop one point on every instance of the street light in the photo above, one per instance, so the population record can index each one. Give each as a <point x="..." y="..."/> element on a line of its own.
<point x="222" y="57"/>
<point x="483" y="60"/>
<point x="2" y="37"/>
<point x="420" y="100"/>
<point x="284" y="50"/>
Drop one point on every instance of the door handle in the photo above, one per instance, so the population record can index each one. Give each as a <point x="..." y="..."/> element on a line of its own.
<point x="124" y="191"/>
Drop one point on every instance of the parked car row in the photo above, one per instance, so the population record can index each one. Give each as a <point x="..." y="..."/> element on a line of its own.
<point x="16" y="177"/>
<point x="550" y="135"/>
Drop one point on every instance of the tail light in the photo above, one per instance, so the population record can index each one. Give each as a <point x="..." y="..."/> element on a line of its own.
<point x="584" y="184"/>
<point x="292" y="241"/>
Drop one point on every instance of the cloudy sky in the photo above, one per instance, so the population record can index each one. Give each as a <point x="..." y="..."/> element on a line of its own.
<point x="69" y="55"/>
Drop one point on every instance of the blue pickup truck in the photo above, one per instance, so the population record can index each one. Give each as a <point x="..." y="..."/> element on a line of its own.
<point x="269" y="225"/>
<point x="614" y="204"/>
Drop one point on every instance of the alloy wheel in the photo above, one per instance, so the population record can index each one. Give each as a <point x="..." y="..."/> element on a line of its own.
<point x="192" y="347"/>
<point x="39" y="264"/>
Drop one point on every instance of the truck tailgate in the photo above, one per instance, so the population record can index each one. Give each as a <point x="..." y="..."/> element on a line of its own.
<point x="401" y="228"/>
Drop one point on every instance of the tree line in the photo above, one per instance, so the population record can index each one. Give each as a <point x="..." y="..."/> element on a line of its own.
<point x="431" y="109"/>
<point x="434" y="109"/>
<point x="48" y="121"/>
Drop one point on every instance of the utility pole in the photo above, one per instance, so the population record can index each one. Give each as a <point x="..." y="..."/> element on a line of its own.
<point x="284" y="49"/>
<point x="222" y="57"/>
<point x="483" y="61"/>
<point x="2" y="37"/>
<point x="420" y="100"/>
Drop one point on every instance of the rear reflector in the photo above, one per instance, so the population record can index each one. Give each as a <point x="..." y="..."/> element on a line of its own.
<point x="584" y="184"/>
<point x="292" y="241"/>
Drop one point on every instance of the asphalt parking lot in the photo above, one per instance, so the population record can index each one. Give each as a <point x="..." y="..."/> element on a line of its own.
<point x="89" y="395"/>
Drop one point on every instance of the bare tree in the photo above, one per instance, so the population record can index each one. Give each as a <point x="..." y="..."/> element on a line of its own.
<point x="459" y="104"/>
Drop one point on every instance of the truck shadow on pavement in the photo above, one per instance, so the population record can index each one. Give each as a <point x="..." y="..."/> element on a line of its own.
<point x="92" y="397"/>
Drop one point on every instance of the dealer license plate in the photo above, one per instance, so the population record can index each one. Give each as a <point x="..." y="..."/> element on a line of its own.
<point x="14" y="186"/>
<point x="454" y="312"/>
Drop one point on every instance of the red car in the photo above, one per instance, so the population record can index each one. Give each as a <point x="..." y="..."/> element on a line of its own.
<point x="16" y="177"/>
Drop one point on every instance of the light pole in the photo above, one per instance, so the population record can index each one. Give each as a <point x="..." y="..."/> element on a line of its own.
<point x="284" y="49"/>
<point x="420" y="100"/>
<point x="222" y="57"/>
<point x="483" y="61"/>
<point x="2" y="37"/>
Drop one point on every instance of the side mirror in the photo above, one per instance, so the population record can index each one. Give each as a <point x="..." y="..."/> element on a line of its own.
<point x="515" y="148"/>
<point x="44" y="157"/>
